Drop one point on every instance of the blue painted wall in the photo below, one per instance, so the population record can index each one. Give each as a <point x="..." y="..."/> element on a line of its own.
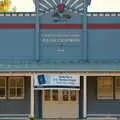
<point x="17" y="44"/>
<point x="100" y="106"/>
<point x="23" y="44"/>
<point x="38" y="104"/>
<point x="103" y="44"/>
<point x="18" y="106"/>
<point x="104" y="19"/>
<point x="17" y="19"/>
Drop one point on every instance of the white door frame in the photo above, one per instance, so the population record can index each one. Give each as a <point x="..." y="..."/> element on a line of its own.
<point x="60" y="100"/>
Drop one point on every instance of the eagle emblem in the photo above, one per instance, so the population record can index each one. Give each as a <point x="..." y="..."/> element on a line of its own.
<point x="61" y="13"/>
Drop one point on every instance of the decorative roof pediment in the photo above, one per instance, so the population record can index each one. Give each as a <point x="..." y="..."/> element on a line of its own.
<point x="61" y="6"/>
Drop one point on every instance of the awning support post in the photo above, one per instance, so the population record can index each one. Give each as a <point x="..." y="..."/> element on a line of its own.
<point x="32" y="97"/>
<point x="84" y="96"/>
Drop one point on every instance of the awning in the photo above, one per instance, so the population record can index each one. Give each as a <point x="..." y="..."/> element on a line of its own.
<point x="56" y="81"/>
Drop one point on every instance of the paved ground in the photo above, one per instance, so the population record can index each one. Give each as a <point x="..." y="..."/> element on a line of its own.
<point x="13" y="119"/>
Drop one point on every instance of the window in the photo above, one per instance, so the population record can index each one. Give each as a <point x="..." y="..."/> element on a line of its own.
<point x="55" y="95"/>
<point x="65" y="95"/>
<point x="60" y="95"/>
<point x="117" y="87"/>
<point x="73" y="95"/>
<point x="47" y="95"/>
<point x="11" y="87"/>
<point x="3" y="87"/>
<point x="105" y="87"/>
<point x="108" y="87"/>
<point x="16" y="87"/>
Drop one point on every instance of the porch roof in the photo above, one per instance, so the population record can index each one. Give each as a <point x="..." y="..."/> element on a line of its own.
<point x="54" y="66"/>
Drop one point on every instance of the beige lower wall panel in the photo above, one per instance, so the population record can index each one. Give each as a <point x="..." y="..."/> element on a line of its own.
<point x="60" y="110"/>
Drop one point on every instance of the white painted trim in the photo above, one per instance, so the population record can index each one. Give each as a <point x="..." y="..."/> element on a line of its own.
<point x="101" y="73"/>
<point x="13" y="114"/>
<point x="84" y="96"/>
<point x="81" y="73"/>
<point x="11" y="74"/>
<point x="14" y="118"/>
<point x="108" y="115"/>
<point x="32" y="97"/>
<point x="56" y="89"/>
<point x="103" y="118"/>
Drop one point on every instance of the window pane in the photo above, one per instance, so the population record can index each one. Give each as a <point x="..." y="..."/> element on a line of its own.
<point x="117" y="87"/>
<point x="2" y="87"/>
<point x="12" y="92"/>
<point x="105" y="88"/>
<point x="47" y="95"/>
<point x="117" y="82"/>
<point x="73" y="95"/>
<point x="2" y="92"/>
<point x="2" y="82"/>
<point x="12" y="82"/>
<point x="16" y="87"/>
<point x="20" y="82"/>
<point x="55" y="95"/>
<point x="20" y="92"/>
<point x="65" y="95"/>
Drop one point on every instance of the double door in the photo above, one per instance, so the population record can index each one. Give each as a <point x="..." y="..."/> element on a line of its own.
<point x="60" y="104"/>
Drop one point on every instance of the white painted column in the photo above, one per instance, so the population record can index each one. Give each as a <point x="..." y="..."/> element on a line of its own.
<point x="84" y="96"/>
<point x="32" y="97"/>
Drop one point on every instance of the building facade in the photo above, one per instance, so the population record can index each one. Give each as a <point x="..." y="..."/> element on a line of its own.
<point x="59" y="62"/>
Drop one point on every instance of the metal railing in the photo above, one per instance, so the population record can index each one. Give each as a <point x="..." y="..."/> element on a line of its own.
<point x="17" y="14"/>
<point x="101" y="14"/>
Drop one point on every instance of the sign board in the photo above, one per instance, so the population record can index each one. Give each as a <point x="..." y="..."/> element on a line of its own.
<point x="57" y="81"/>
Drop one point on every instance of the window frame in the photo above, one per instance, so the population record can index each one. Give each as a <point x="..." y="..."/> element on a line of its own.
<point x="47" y="94"/>
<point x="98" y="86"/>
<point x="73" y="97"/>
<point x="16" y="87"/>
<point x="5" y="78"/>
<point x="114" y="89"/>
<point x="56" y="94"/>
<point x="60" y="95"/>
<point x="65" y="94"/>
